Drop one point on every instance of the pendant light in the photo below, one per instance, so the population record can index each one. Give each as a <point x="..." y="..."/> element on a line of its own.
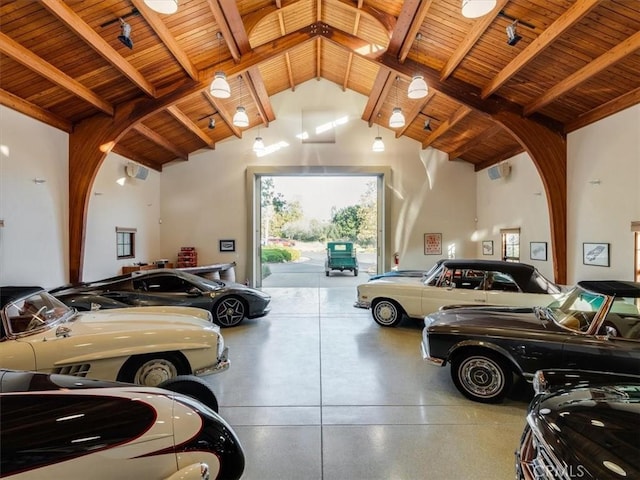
<point x="378" y="144"/>
<point x="240" y="118"/>
<point x="397" y="118"/>
<point x="477" y="8"/>
<point x="219" y="86"/>
<point x="258" y="143"/>
<point x="418" y="87"/>
<point x="162" y="6"/>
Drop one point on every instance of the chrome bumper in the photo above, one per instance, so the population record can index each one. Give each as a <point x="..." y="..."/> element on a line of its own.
<point x="362" y="304"/>
<point x="425" y="356"/>
<point x="221" y="365"/>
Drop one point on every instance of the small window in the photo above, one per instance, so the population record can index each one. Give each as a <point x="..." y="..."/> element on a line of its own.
<point x="511" y="244"/>
<point x="125" y="242"/>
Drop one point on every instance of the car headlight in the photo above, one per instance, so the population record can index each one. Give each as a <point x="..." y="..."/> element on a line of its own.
<point x="540" y="384"/>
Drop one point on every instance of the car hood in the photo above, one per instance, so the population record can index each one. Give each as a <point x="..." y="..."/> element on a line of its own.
<point x="592" y="428"/>
<point x="488" y="319"/>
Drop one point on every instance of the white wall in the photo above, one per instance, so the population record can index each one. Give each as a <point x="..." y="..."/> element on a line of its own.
<point x="516" y="201"/>
<point x="205" y="199"/>
<point x="609" y="152"/>
<point x="136" y="204"/>
<point x="34" y="242"/>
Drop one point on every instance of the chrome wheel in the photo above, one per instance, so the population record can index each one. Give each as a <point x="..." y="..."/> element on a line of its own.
<point x="153" y="372"/>
<point x="386" y="313"/>
<point x="482" y="377"/>
<point x="229" y="312"/>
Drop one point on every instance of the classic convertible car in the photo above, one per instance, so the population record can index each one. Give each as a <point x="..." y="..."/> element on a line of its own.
<point x="595" y="323"/>
<point x="581" y="424"/>
<point x="60" y="426"/>
<point x="228" y="302"/>
<point x="455" y="282"/>
<point x="145" y="345"/>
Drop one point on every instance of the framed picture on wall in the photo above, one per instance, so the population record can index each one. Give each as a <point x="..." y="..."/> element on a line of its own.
<point x="538" y="250"/>
<point x="433" y="244"/>
<point x="595" y="254"/>
<point x="487" y="247"/>
<point x="227" y="245"/>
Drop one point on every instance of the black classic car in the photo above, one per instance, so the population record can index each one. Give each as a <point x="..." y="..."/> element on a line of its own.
<point x="581" y="424"/>
<point x="595" y="323"/>
<point x="228" y="302"/>
<point x="62" y="426"/>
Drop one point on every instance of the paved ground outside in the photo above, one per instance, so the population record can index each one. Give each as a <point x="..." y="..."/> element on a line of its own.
<point x="309" y="271"/>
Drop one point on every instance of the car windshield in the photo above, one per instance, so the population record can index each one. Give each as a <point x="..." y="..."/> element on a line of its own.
<point x="33" y="312"/>
<point x="577" y="308"/>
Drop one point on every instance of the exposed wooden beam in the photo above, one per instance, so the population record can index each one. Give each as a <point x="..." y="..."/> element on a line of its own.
<point x="30" y="60"/>
<point x="136" y="157"/>
<point x="500" y="157"/>
<point x="614" y="106"/>
<point x="318" y="57"/>
<point x="381" y="86"/>
<point x="190" y="125"/>
<point x="236" y="25"/>
<point x="259" y="95"/>
<point x="617" y="53"/>
<point x="402" y="27"/>
<point x="347" y="73"/>
<point x="473" y="142"/>
<point x="67" y="16"/>
<point x="470" y="39"/>
<point x="158" y="26"/>
<point x="16" y="103"/>
<point x="414" y="112"/>
<point x="458" y="115"/>
<point x="225" y="28"/>
<point x="160" y="140"/>
<point x="292" y="83"/>
<point x="409" y="36"/>
<point x="226" y="118"/>
<point x="546" y="38"/>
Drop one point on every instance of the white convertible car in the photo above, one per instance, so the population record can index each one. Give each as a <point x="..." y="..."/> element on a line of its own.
<point x="144" y="345"/>
<point x="455" y="283"/>
<point x="64" y="427"/>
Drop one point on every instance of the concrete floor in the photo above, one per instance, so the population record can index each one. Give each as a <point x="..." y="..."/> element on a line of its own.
<point x="317" y="390"/>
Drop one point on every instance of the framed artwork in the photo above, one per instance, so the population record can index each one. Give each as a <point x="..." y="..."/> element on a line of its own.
<point x="487" y="247"/>
<point x="595" y="254"/>
<point x="433" y="244"/>
<point x="227" y="245"/>
<point x="538" y="251"/>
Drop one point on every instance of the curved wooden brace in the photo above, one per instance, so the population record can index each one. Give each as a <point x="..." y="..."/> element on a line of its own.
<point x="548" y="150"/>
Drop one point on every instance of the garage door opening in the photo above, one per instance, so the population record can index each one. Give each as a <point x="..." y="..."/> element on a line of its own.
<point x="298" y="215"/>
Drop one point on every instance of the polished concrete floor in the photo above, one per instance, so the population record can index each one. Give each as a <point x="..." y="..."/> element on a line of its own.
<point x="316" y="390"/>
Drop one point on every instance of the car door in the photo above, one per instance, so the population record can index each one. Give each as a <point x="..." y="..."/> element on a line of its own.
<point x="454" y="286"/>
<point x="17" y="355"/>
<point x="603" y="353"/>
<point x="168" y="289"/>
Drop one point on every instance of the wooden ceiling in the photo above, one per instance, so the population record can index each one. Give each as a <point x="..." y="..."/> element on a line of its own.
<point x="577" y="62"/>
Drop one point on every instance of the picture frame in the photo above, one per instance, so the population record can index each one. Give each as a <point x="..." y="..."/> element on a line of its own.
<point x="487" y="247"/>
<point x="538" y="251"/>
<point x="433" y="244"/>
<point x="227" y="245"/>
<point x="596" y="254"/>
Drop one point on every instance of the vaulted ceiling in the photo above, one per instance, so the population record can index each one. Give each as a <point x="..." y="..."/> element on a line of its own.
<point x="576" y="62"/>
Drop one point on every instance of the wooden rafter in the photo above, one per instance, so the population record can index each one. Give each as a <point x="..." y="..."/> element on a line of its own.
<point x="546" y="38"/>
<point x="67" y="16"/>
<point x="160" y="140"/>
<point x="347" y="72"/>
<point x="27" y="108"/>
<point x="471" y="143"/>
<point x="32" y="61"/>
<point x="413" y="28"/>
<point x="135" y="156"/>
<point x="617" y="53"/>
<point x="381" y="86"/>
<point x="225" y="29"/>
<point x="259" y="95"/>
<point x="609" y="108"/>
<point x="500" y="157"/>
<point x="190" y="125"/>
<point x="458" y="115"/>
<point x="414" y="112"/>
<point x="224" y="115"/>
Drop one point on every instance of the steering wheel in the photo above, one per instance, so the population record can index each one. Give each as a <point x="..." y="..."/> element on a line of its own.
<point x="36" y="321"/>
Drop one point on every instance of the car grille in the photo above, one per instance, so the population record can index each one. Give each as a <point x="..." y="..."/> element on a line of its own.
<point x="80" y="370"/>
<point x="534" y="462"/>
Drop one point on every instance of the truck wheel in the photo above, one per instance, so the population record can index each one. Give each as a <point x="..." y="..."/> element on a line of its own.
<point x="482" y="376"/>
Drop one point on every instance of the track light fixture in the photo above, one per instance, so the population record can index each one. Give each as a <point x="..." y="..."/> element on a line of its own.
<point x="125" y="35"/>
<point x="219" y="86"/>
<point x="418" y="87"/>
<point x="427" y="125"/>
<point x="162" y="6"/>
<point x="212" y="123"/>
<point x="397" y="118"/>
<point x="512" y="34"/>
<point x="477" y="8"/>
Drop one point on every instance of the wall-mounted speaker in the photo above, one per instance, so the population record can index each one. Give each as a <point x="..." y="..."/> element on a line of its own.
<point x="502" y="170"/>
<point x="137" y="171"/>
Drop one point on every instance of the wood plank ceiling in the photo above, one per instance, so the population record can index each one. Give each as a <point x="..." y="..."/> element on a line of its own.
<point x="577" y="62"/>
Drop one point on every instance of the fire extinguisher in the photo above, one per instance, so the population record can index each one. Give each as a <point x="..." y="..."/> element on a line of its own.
<point x="396" y="259"/>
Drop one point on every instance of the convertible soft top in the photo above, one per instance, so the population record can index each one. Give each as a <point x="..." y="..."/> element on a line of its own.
<point x="8" y="294"/>
<point x="614" y="288"/>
